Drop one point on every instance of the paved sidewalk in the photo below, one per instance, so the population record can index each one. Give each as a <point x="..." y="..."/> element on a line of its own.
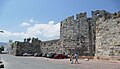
<point x="91" y="64"/>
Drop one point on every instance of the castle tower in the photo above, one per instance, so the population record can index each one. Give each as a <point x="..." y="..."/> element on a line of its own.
<point x="75" y="35"/>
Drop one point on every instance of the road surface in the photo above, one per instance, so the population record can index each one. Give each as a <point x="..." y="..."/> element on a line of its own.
<point x="13" y="62"/>
<point x="19" y="62"/>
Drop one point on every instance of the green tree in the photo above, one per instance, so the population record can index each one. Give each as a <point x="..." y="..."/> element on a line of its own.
<point x="2" y="48"/>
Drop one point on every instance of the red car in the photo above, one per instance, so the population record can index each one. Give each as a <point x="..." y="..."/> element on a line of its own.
<point x="59" y="56"/>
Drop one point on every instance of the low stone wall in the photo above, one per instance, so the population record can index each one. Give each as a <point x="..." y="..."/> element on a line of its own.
<point x="19" y="48"/>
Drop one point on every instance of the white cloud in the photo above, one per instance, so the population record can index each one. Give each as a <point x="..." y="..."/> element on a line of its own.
<point x="43" y="31"/>
<point x="49" y="30"/>
<point x="25" y="24"/>
<point x="12" y="35"/>
<point x="31" y="20"/>
<point x="51" y="22"/>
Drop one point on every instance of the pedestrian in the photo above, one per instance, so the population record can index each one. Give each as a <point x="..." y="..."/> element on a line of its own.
<point x="71" y="58"/>
<point x="76" y="58"/>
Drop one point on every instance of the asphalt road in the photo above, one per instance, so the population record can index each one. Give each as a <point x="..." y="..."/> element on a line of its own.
<point x="20" y="62"/>
<point x="13" y="62"/>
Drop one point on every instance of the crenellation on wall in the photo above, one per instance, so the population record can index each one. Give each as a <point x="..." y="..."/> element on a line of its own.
<point x="101" y="14"/>
<point x="81" y="16"/>
<point x="116" y="15"/>
<point x="97" y="36"/>
<point x="76" y="35"/>
<point x="19" y="48"/>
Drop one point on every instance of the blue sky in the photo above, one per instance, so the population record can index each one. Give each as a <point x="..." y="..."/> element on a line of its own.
<point x="39" y="18"/>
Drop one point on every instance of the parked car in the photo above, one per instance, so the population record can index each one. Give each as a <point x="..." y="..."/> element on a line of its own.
<point x="5" y="52"/>
<point x="59" y="56"/>
<point x="48" y="55"/>
<point x="26" y="54"/>
<point x="44" y="55"/>
<point x="67" y="56"/>
<point x="51" y="55"/>
<point x="38" y="54"/>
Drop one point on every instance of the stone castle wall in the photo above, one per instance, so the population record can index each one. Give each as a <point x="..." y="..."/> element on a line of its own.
<point x="108" y="36"/>
<point x="19" y="48"/>
<point x="50" y="46"/>
<point x="76" y="35"/>
<point x="97" y="36"/>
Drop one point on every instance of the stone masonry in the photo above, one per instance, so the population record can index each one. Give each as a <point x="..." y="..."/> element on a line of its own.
<point x="97" y="36"/>
<point x="19" y="48"/>
<point x="50" y="46"/>
<point x="107" y="35"/>
<point x="78" y="35"/>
